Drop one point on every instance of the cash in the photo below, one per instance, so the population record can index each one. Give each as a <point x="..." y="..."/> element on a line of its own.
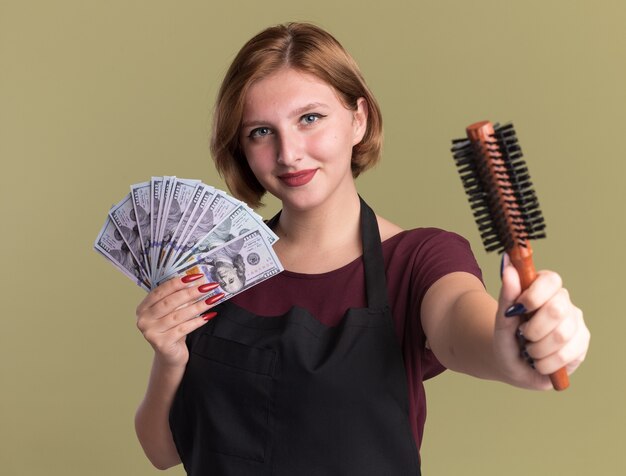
<point x="238" y="264"/>
<point x="125" y="222"/>
<point x="140" y="194"/>
<point x="168" y="227"/>
<point x="110" y="243"/>
<point x="182" y="193"/>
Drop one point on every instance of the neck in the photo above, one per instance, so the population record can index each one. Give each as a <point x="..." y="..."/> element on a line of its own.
<point x="333" y="218"/>
<point x="322" y="237"/>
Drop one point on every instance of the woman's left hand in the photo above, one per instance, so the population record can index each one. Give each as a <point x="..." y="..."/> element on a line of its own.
<point x="555" y="336"/>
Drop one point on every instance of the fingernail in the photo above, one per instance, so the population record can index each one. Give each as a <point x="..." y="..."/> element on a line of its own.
<point x="526" y="356"/>
<point x="205" y="288"/>
<point x="191" y="277"/>
<point x="522" y="328"/>
<point x="209" y="315"/>
<point x="214" y="299"/>
<point x="515" y="310"/>
<point x="503" y="263"/>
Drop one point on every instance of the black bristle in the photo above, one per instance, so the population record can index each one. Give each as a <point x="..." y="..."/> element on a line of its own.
<point x="508" y="177"/>
<point x="531" y="216"/>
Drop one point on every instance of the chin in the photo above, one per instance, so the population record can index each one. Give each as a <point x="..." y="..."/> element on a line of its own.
<point x="306" y="201"/>
<point x="301" y="204"/>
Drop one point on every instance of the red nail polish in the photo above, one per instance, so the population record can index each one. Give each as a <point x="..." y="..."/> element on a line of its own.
<point x="209" y="315"/>
<point x="191" y="277"/>
<point x="205" y="288"/>
<point x="214" y="299"/>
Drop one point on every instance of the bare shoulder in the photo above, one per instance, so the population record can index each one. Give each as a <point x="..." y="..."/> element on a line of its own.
<point x="386" y="228"/>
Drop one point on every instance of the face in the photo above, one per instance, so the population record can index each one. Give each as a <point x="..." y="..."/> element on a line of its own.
<point x="298" y="136"/>
<point x="228" y="278"/>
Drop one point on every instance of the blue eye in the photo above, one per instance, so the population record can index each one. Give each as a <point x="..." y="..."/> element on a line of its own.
<point x="310" y="118"/>
<point x="259" y="132"/>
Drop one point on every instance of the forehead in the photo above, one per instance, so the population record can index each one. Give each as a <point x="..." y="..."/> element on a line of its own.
<point x="286" y="90"/>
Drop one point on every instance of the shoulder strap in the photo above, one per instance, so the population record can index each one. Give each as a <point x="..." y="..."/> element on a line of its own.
<point x="373" y="261"/>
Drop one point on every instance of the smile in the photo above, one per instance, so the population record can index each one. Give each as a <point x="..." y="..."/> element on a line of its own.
<point x="297" y="179"/>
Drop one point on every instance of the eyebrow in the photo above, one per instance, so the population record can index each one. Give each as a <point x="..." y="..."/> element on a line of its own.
<point x="296" y="112"/>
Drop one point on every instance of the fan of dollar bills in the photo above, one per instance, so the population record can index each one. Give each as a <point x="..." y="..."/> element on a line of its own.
<point x="170" y="226"/>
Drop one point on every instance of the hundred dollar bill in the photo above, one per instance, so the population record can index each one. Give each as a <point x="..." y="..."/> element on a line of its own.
<point x="238" y="265"/>
<point x="111" y="244"/>
<point x="123" y="216"/>
<point x="141" y="203"/>
<point x="182" y="193"/>
<point x="168" y="189"/>
<point x="164" y="203"/>
<point x="201" y="196"/>
<point x="240" y="221"/>
<point x="157" y="189"/>
<point x="219" y="208"/>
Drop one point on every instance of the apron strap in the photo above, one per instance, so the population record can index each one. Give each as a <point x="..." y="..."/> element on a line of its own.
<point x="373" y="262"/>
<point x="272" y="222"/>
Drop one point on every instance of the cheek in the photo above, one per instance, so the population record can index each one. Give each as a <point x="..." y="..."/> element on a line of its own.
<point x="260" y="157"/>
<point x="323" y="143"/>
<point x="330" y="146"/>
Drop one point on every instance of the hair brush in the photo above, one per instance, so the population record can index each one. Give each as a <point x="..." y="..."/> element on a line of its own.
<point x="502" y="199"/>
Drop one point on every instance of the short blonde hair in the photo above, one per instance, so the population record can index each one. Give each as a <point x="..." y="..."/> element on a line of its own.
<point x="303" y="47"/>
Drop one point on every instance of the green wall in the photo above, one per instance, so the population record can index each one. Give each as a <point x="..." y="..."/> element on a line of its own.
<point x="96" y="95"/>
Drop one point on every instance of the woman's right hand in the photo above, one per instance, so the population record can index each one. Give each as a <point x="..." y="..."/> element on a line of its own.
<point x="170" y="312"/>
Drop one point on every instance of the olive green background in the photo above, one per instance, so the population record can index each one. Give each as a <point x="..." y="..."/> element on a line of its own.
<point x="97" y="95"/>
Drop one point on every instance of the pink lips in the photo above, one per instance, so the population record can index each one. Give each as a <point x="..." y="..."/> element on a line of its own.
<point x="297" y="179"/>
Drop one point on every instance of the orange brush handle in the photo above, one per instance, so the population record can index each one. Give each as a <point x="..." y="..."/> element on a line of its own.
<point x="522" y="259"/>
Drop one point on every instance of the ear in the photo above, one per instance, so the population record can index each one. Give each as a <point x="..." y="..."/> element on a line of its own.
<point x="359" y="120"/>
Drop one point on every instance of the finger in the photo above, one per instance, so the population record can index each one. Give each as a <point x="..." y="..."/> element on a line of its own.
<point x="559" y="336"/>
<point x="181" y="331"/>
<point x="168" y="287"/>
<point x="176" y="318"/>
<point x="509" y="292"/>
<point x="546" y="285"/>
<point x="181" y="298"/>
<point x="569" y="356"/>
<point x="188" y="312"/>
<point x="167" y="340"/>
<point x="574" y="364"/>
<point x="549" y="316"/>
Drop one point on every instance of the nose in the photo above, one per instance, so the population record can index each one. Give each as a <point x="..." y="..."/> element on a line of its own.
<point x="289" y="149"/>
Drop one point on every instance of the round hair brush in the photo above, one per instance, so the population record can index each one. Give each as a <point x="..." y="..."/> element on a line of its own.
<point x="502" y="200"/>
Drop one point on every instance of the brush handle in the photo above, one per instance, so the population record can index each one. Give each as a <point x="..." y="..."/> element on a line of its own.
<point x="522" y="259"/>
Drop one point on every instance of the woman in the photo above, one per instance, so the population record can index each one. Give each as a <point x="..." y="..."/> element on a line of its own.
<point x="331" y="383"/>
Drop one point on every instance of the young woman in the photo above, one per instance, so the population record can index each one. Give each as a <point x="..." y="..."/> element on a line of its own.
<point x="319" y="370"/>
